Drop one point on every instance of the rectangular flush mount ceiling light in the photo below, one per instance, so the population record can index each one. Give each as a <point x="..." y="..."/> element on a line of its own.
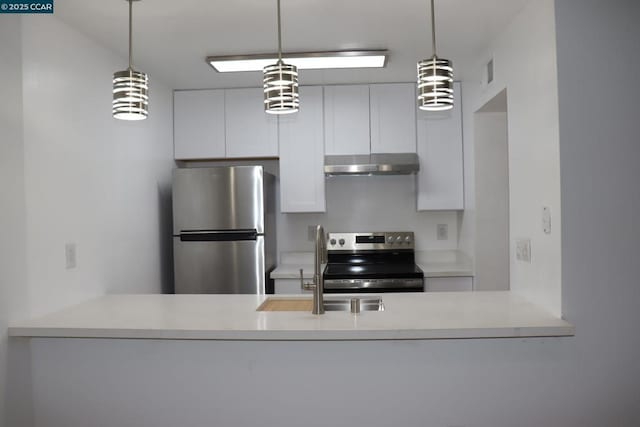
<point x="302" y="60"/>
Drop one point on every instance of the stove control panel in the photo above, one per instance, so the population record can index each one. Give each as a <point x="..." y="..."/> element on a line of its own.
<point x="387" y="240"/>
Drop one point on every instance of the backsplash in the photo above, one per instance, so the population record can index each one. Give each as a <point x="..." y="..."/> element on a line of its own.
<point x="369" y="203"/>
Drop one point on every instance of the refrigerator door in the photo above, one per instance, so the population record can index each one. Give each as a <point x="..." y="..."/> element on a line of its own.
<point x="219" y="266"/>
<point x="220" y="198"/>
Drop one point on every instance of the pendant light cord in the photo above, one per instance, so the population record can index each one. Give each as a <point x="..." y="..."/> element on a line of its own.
<point x="130" y="35"/>
<point x="279" y="35"/>
<point x="433" y="29"/>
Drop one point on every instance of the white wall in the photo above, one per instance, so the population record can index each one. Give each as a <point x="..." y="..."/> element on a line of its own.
<point x="13" y="283"/>
<point x="524" y="58"/>
<point x="90" y="179"/>
<point x="492" y="202"/>
<point x="589" y="380"/>
<point x="69" y="172"/>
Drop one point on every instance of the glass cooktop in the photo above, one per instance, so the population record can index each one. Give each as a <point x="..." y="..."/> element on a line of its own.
<point x="372" y="271"/>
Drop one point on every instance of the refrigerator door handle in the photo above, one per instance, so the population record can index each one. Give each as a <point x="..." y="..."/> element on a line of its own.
<point x="218" y="235"/>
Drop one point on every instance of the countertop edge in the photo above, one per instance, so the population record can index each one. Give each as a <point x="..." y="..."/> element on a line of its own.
<point x="297" y="335"/>
<point x="407" y="316"/>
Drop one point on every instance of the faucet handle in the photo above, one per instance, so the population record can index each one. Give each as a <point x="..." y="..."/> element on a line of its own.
<point x="324" y="254"/>
<point x="321" y="244"/>
<point x="305" y="286"/>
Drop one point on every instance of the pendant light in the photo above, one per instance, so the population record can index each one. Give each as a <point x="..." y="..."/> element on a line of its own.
<point x="130" y="87"/>
<point x="435" y="78"/>
<point x="280" y="83"/>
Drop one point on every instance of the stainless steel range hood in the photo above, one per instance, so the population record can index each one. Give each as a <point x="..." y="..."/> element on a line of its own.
<point x="372" y="164"/>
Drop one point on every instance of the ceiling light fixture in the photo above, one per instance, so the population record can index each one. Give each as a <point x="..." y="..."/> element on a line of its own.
<point x="130" y="87"/>
<point x="303" y="60"/>
<point x="435" y="78"/>
<point x="280" y="83"/>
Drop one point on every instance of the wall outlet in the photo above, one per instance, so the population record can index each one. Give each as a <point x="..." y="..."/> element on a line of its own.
<point x="311" y="233"/>
<point x="546" y="220"/>
<point x="70" y="255"/>
<point x="443" y="232"/>
<point x="523" y="250"/>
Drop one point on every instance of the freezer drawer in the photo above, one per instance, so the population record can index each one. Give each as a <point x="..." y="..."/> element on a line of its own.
<point x="222" y="198"/>
<point x="220" y="267"/>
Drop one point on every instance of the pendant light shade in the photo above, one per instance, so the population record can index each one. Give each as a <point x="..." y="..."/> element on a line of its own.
<point x="130" y="99"/>
<point x="281" y="88"/>
<point x="435" y="84"/>
<point x="280" y="83"/>
<point x="130" y="87"/>
<point x="435" y="78"/>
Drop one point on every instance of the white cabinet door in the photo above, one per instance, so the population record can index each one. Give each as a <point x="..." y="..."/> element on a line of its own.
<point x="346" y="119"/>
<point x="440" y="180"/>
<point x="393" y="118"/>
<point x="250" y="132"/>
<point x="198" y="124"/>
<point x="302" y="156"/>
<point x="448" y="284"/>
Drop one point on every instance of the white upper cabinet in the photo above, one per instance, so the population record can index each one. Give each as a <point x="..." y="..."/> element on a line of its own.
<point x="250" y="132"/>
<point x="440" y="180"/>
<point x="346" y="119"/>
<point x="363" y="119"/>
<point x="333" y="120"/>
<point x="198" y="124"/>
<point x="393" y="118"/>
<point x="302" y="155"/>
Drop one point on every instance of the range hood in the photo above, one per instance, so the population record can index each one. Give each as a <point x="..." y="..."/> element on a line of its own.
<point x="372" y="164"/>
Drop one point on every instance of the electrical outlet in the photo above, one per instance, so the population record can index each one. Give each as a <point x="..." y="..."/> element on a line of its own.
<point x="443" y="232"/>
<point x="311" y="233"/>
<point x="546" y="220"/>
<point x="70" y="255"/>
<point x="523" y="250"/>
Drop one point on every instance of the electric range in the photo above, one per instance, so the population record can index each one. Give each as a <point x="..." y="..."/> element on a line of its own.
<point x="372" y="262"/>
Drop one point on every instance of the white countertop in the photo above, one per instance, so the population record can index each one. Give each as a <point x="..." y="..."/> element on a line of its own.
<point x="445" y="269"/>
<point x="433" y="264"/>
<point x="234" y="317"/>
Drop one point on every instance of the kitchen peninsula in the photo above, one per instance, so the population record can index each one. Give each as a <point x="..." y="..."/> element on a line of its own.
<point x="406" y="316"/>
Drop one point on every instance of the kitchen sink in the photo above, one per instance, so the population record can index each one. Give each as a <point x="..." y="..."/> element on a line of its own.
<point x="330" y="304"/>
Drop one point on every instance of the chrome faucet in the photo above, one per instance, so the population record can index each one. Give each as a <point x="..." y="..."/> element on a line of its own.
<point x="317" y="284"/>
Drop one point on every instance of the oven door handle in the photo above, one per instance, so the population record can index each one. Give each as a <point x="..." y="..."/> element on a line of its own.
<point x="373" y="284"/>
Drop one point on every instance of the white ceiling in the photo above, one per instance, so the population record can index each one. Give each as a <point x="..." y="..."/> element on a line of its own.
<point x="173" y="37"/>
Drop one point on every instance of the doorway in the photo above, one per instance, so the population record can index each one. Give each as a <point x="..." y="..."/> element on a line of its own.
<point x="492" y="195"/>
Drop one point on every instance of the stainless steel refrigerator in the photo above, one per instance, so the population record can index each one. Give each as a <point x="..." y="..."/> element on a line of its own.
<point x="224" y="230"/>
